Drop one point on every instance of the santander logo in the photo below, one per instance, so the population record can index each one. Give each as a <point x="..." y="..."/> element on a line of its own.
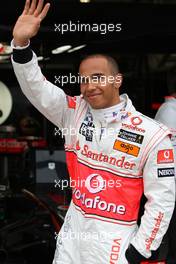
<point x="120" y="162"/>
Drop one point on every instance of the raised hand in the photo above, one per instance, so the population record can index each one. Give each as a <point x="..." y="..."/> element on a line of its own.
<point x="28" y="23"/>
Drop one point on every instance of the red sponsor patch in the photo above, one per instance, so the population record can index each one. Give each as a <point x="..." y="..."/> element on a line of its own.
<point x="99" y="194"/>
<point x="71" y="101"/>
<point x="165" y="156"/>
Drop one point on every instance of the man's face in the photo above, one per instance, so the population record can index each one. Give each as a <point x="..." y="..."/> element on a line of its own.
<point x="99" y="86"/>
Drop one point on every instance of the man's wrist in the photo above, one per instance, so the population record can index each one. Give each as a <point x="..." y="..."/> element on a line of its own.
<point x="21" y="54"/>
<point x="133" y="256"/>
<point x="15" y="46"/>
<point x="20" y="42"/>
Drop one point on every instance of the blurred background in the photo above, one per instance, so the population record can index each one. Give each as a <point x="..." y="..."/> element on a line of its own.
<point x="32" y="160"/>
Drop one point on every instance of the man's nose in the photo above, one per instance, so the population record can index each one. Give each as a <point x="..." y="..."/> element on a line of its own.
<point x="91" y="86"/>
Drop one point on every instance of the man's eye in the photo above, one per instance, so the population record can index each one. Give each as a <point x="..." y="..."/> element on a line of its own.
<point x="84" y="79"/>
<point x="99" y="77"/>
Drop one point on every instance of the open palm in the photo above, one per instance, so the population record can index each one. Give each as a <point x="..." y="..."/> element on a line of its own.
<point x="28" y="23"/>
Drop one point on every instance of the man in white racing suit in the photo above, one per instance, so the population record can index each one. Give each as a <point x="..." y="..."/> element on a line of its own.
<point x="167" y="115"/>
<point x="114" y="155"/>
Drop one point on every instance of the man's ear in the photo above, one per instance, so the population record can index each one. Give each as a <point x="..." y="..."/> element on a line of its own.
<point x="118" y="80"/>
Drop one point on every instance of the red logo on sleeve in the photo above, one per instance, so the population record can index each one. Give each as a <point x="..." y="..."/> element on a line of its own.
<point x="71" y="101"/>
<point x="165" y="156"/>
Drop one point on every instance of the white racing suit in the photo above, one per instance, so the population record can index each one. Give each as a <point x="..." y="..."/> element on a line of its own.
<point x="167" y="115"/>
<point x="108" y="174"/>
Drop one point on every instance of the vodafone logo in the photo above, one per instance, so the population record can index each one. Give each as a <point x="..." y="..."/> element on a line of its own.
<point x="93" y="202"/>
<point x="136" y="120"/>
<point x="165" y="156"/>
<point x="115" y="251"/>
<point x="94" y="183"/>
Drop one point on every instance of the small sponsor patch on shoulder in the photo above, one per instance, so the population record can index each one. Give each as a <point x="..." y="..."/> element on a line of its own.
<point x="165" y="156"/>
<point x="166" y="172"/>
<point x="71" y="101"/>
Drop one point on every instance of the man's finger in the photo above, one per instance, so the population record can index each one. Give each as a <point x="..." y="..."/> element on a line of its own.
<point x="44" y="11"/>
<point x="39" y="8"/>
<point x="26" y="7"/>
<point x="32" y="7"/>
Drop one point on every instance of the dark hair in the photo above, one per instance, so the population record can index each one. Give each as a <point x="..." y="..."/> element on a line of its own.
<point x="111" y="61"/>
